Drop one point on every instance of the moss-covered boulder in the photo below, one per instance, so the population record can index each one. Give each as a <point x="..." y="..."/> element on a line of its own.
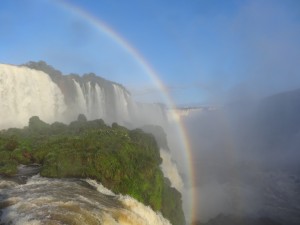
<point x="125" y="161"/>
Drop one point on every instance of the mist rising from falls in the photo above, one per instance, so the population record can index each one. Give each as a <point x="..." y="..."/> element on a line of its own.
<point x="25" y="92"/>
<point x="169" y="169"/>
<point x="90" y="100"/>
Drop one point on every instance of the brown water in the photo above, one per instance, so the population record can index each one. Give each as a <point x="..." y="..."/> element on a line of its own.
<point x="33" y="200"/>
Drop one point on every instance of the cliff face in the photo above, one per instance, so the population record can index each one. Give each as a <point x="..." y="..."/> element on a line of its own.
<point x="97" y="97"/>
<point x="37" y="89"/>
<point x="124" y="161"/>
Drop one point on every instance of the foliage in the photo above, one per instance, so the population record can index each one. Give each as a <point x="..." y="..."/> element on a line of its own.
<point x="125" y="161"/>
<point x="159" y="134"/>
<point x="172" y="204"/>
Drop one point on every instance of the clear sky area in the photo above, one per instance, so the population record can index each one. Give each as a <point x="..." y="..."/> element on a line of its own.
<point x="203" y="51"/>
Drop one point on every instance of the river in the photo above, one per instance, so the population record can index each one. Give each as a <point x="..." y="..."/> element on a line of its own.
<point x="29" y="199"/>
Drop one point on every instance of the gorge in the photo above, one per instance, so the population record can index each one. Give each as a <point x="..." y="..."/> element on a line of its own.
<point x="36" y="92"/>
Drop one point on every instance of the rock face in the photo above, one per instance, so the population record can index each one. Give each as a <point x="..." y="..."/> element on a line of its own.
<point x="97" y="97"/>
<point x="37" y="89"/>
<point x="124" y="161"/>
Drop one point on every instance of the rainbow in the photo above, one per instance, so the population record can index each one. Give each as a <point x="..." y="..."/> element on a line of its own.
<point x="102" y="27"/>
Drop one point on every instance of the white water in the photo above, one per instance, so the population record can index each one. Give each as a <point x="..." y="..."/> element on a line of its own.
<point x="90" y="101"/>
<point x="80" y="99"/>
<point x="121" y="103"/>
<point x="170" y="170"/>
<point x="71" y="201"/>
<point x="25" y="92"/>
<point x="100" y="102"/>
<point x="128" y="111"/>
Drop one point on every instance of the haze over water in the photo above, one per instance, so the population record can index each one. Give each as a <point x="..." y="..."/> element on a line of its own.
<point x="234" y="56"/>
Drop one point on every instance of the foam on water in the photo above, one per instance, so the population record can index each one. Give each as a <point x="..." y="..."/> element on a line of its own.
<point x="71" y="201"/>
<point x="26" y="92"/>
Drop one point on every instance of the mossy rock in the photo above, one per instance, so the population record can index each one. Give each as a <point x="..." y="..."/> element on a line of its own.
<point x="125" y="161"/>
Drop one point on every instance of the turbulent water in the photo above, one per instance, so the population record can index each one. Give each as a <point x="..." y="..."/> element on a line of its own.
<point x="69" y="201"/>
<point x="26" y="92"/>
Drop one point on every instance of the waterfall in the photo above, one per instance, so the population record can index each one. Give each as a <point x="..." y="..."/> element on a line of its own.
<point x="100" y="101"/>
<point x="80" y="99"/>
<point x="170" y="170"/>
<point x="26" y="92"/>
<point x="121" y="103"/>
<point x="114" y="104"/>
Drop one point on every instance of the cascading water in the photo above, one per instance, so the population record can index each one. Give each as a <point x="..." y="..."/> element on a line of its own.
<point x="80" y="99"/>
<point x="93" y="102"/>
<point x="170" y="170"/>
<point x="26" y="92"/>
<point x="69" y="201"/>
<point x="121" y="103"/>
<point x="114" y="104"/>
<point x="100" y="102"/>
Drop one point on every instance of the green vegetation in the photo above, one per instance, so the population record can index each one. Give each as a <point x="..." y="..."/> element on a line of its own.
<point x="159" y="134"/>
<point x="125" y="161"/>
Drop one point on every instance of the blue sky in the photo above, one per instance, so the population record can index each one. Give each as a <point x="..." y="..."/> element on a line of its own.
<point x="203" y="50"/>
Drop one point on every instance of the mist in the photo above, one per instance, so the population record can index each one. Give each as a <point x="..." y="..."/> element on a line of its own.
<point x="246" y="152"/>
<point x="246" y="158"/>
